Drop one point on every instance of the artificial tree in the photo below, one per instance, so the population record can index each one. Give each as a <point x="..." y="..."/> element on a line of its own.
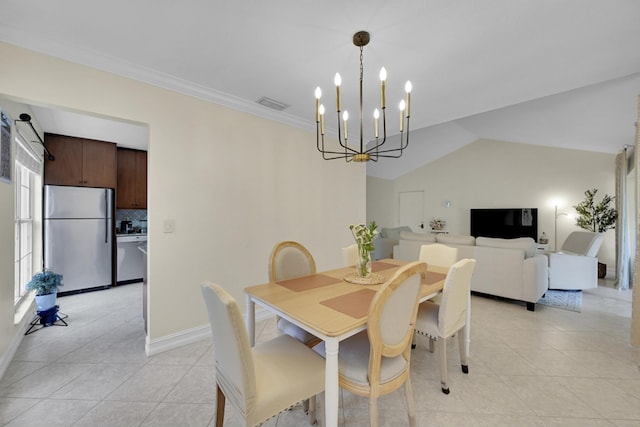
<point x="596" y="217"/>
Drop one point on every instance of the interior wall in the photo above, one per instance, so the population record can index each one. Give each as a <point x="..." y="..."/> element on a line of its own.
<point x="234" y="185"/>
<point x="380" y="201"/>
<point x="497" y="174"/>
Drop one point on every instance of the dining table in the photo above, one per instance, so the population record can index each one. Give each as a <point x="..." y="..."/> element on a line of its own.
<point x="332" y="308"/>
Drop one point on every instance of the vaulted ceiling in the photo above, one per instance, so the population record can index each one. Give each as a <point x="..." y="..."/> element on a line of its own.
<point x="551" y="72"/>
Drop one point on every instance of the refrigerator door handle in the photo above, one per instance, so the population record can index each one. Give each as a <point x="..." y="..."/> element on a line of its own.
<point x="106" y="217"/>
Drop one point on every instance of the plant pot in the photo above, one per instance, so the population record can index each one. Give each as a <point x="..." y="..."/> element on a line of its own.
<point x="602" y="270"/>
<point x="45" y="302"/>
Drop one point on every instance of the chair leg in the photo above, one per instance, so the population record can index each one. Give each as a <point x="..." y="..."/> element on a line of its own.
<point x="373" y="412"/>
<point x="312" y="409"/>
<point x="464" y="357"/>
<point x="444" y="377"/>
<point x="305" y="406"/>
<point x="220" y="400"/>
<point x="411" y="407"/>
<point x="431" y="340"/>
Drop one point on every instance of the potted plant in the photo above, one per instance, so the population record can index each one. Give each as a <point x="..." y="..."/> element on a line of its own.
<point x="46" y="284"/>
<point x="596" y="217"/>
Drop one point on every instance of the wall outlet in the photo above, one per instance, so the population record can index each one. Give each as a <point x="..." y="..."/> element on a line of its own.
<point x="169" y="225"/>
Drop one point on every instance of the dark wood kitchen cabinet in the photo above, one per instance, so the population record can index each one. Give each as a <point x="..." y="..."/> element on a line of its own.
<point x="131" y="192"/>
<point x="80" y="162"/>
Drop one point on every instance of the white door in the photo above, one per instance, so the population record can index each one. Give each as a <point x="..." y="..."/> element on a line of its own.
<point x="411" y="209"/>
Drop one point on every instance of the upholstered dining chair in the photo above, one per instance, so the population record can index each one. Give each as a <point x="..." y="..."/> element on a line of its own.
<point x="262" y="381"/>
<point x="441" y="321"/>
<point x="376" y="362"/>
<point x="438" y="254"/>
<point x="288" y="260"/>
<point x="350" y="255"/>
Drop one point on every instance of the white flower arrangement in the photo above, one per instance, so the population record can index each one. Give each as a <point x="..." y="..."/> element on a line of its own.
<point x="437" y="224"/>
<point x="364" y="236"/>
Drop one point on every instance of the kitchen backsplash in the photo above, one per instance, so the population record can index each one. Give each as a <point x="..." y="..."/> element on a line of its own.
<point x="138" y="218"/>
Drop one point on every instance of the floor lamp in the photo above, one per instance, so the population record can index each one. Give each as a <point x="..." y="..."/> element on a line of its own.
<point x="555" y="228"/>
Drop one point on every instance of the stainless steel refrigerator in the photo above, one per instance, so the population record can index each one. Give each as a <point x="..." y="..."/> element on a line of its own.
<point x="78" y="236"/>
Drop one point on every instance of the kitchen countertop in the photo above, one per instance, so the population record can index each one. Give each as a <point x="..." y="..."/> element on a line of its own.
<point x="130" y="234"/>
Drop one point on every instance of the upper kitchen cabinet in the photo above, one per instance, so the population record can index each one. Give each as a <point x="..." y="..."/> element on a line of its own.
<point x="80" y="162"/>
<point x="131" y="192"/>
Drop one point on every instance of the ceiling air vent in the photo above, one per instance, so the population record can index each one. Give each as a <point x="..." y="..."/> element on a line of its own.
<point x="272" y="103"/>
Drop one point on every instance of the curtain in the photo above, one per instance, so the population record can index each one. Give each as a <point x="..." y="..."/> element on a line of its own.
<point x="622" y="223"/>
<point x="635" y="310"/>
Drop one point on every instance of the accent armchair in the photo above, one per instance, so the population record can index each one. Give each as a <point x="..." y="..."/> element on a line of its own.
<point x="575" y="266"/>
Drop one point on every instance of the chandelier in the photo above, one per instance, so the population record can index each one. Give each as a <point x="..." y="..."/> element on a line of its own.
<point x="374" y="152"/>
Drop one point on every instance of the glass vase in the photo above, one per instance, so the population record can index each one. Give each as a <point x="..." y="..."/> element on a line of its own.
<point x="363" y="267"/>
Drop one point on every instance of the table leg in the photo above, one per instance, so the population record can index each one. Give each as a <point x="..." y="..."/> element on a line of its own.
<point x="250" y="319"/>
<point x="332" y="390"/>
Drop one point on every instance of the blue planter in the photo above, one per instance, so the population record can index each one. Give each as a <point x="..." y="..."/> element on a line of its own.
<point x="45" y="302"/>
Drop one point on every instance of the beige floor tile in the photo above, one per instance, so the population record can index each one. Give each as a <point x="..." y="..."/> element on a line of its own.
<point x="550" y="367"/>
<point x="180" y="414"/>
<point x="108" y="414"/>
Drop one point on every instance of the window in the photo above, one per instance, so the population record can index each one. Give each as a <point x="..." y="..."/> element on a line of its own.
<point x="27" y="177"/>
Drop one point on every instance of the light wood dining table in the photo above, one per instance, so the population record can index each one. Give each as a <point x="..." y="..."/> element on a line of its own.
<point x="332" y="309"/>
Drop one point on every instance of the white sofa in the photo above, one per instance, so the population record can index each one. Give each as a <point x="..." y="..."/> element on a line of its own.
<point x="508" y="268"/>
<point x="575" y="266"/>
<point x="385" y="242"/>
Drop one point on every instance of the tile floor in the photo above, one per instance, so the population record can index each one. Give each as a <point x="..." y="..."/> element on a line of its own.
<point x="547" y="368"/>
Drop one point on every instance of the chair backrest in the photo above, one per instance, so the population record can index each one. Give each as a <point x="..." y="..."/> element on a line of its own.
<point x="392" y="316"/>
<point x="455" y="297"/>
<point x="438" y="254"/>
<point x="583" y="243"/>
<point x="235" y="371"/>
<point x="350" y="255"/>
<point x="290" y="259"/>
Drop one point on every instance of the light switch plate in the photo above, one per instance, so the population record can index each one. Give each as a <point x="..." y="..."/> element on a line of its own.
<point x="169" y="225"/>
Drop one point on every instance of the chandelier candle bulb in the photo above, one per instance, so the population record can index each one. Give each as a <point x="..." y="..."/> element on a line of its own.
<point x="318" y="96"/>
<point x="321" y="113"/>
<point x="402" y="107"/>
<point x="345" y="117"/>
<point x="338" y="81"/>
<point x="376" y="116"/>
<point x="407" y="88"/>
<point x="383" y="78"/>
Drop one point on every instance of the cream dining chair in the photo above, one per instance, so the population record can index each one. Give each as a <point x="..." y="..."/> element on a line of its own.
<point x="438" y="254"/>
<point x="441" y="321"/>
<point x="262" y="381"/>
<point x="376" y="362"/>
<point x="350" y="255"/>
<point x="288" y="260"/>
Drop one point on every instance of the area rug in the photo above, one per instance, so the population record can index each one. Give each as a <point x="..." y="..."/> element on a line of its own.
<point x="566" y="300"/>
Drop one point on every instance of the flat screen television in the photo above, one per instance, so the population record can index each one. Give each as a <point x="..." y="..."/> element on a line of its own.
<point x="505" y="223"/>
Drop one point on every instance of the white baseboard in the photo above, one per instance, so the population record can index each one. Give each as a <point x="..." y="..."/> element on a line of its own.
<point x="8" y="355"/>
<point x="189" y="336"/>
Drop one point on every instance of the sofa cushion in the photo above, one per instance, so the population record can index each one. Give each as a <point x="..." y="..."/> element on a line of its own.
<point x="393" y="233"/>
<point x="421" y="237"/>
<point x="525" y="243"/>
<point x="456" y="239"/>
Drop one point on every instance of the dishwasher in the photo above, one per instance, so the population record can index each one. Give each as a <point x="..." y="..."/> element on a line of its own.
<point x="130" y="263"/>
